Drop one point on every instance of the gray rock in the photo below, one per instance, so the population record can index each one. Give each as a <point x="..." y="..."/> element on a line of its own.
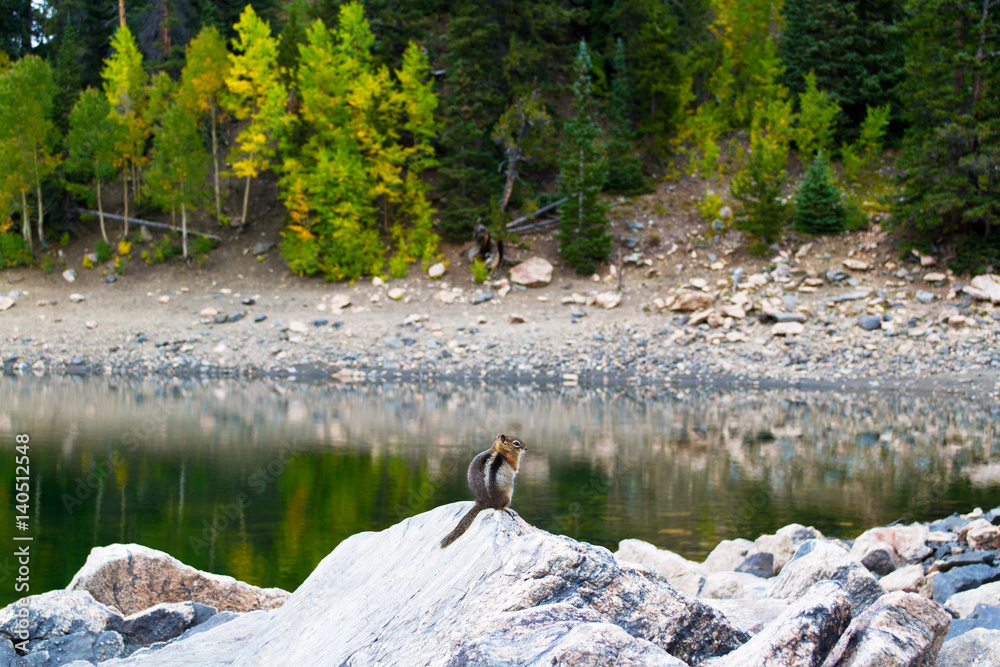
<point x="213" y="622"/>
<point x="751" y="616"/>
<point x="985" y="617"/>
<point x="759" y="564"/>
<point x="7" y="652"/>
<point x="856" y="295"/>
<point x="835" y="275"/>
<point x="727" y="555"/>
<point x="925" y="297"/>
<point x="215" y="647"/>
<point x="879" y="557"/>
<point x="783" y="317"/>
<point x="261" y="247"/>
<point x="733" y="585"/>
<point x="132" y="578"/>
<point x="393" y="343"/>
<point x="89" y="646"/>
<point x="966" y="602"/>
<point x="59" y="613"/>
<point x="785" y="543"/>
<point x="424" y="604"/>
<point x="802" y="635"/>
<point x="817" y="560"/>
<point x="963" y="578"/>
<point x="564" y="636"/>
<point x="870" y="322"/>
<point x="159" y="623"/>
<point x="902" y="629"/>
<point x="482" y="298"/>
<point x="683" y="574"/>
<point x="976" y="648"/>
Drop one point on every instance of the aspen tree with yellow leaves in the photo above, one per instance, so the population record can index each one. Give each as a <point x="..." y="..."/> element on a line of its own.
<point x="257" y="96"/>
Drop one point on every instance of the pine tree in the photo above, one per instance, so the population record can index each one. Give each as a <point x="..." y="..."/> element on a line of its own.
<point x="951" y="158"/>
<point x="125" y="88"/>
<point x="758" y="183"/>
<point x="624" y="172"/>
<point x="584" y="240"/>
<point x="27" y="133"/>
<point x="92" y="144"/>
<point x="473" y="96"/>
<point x="818" y="209"/>
<point x="256" y="95"/>
<point x="855" y="47"/>
<point x="203" y="83"/>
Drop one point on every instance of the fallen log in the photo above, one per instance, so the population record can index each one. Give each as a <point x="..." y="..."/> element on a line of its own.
<point x="150" y="223"/>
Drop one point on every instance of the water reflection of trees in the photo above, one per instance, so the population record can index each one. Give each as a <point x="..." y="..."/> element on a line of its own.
<point x="680" y="467"/>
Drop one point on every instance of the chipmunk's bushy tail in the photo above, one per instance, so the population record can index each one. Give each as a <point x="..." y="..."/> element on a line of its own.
<point x="463" y="525"/>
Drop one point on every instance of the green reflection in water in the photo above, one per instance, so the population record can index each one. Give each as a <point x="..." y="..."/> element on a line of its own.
<point x="262" y="480"/>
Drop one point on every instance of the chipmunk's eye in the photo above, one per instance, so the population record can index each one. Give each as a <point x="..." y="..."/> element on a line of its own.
<point x="517" y="443"/>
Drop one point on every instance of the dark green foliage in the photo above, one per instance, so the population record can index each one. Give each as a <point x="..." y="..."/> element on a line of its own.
<point x="762" y="213"/>
<point x="854" y="46"/>
<point x="584" y="240"/>
<point x="657" y="52"/>
<point x="951" y="157"/>
<point x="624" y="171"/>
<point x="17" y="27"/>
<point x="14" y="250"/>
<point x="975" y="255"/>
<point x="818" y="209"/>
<point x="472" y="100"/>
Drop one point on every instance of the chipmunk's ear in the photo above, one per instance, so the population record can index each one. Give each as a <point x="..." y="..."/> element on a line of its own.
<point x="502" y="438"/>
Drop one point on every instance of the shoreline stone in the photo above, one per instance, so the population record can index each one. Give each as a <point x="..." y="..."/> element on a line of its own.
<point x="508" y="589"/>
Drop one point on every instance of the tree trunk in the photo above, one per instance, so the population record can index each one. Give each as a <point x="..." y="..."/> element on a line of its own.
<point x="173" y="217"/>
<point x="100" y="211"/>
<point x="121" y="14"/>
<point x="579" y="221"/>
<point x="41" y="213"/>
<point x="125" y="191"/>
<point x="246" y="200"/>
<point x="26" y="220"/>
<point x="184" y="224"/>
<point x="215" y="174"/>
<point x="135" y="182"/>
<point x="508" y="187"/>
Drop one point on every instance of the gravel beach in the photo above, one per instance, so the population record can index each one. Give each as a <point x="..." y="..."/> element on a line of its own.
<point x="812" y="313"/>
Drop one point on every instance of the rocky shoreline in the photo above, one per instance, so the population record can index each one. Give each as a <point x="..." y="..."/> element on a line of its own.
<point x="789" y="323"/>
<point x="508" y="593"/>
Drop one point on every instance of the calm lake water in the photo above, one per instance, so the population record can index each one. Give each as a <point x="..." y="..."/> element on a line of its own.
<point x="261" y="480"/>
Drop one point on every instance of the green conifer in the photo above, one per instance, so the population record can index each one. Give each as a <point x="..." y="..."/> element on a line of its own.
<point x="584" y="240"/>
<point x="818" y="209"/>
<point x="624" y="171"/>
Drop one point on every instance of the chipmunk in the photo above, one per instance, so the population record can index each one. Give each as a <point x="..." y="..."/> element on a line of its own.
<point x="491" y="478"/>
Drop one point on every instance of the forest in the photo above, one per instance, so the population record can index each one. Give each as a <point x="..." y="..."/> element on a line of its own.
<point x="389" y="125"/>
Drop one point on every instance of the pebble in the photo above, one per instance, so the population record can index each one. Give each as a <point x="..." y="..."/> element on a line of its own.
<point x="869" y="322"/>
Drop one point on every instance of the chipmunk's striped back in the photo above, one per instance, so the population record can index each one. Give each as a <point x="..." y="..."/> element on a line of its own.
<point x="491" y="478"/>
